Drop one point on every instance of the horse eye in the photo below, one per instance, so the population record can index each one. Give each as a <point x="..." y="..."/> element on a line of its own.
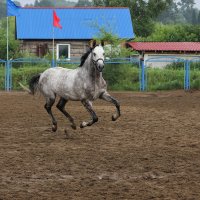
<point x="94" y="54"/>
<point x="103" y="54"/>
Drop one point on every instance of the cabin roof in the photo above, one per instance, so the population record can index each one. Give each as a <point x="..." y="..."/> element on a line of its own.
<point x="77" y="22"/>
<point x="165" y="46"/>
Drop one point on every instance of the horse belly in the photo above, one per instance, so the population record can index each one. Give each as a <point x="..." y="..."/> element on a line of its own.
<point x="69" y="91"/>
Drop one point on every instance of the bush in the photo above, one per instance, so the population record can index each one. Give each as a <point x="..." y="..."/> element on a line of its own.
<point x="122" y="76"/>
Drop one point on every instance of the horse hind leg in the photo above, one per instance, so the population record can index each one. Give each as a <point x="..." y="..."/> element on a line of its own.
<point x="88" y="105"/>
<point x="105" y="96"/>
<point x="48" y="106"/>
<point x="61" y="106"/>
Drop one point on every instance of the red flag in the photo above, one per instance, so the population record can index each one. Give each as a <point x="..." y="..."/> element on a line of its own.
<point x="56" y="20"/>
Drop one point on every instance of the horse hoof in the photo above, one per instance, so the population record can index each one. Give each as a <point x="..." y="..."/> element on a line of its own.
<point x="54" y="128"/>
<point x="83" y="124"/>
<point x="114" y="117"/>
<point x="73" y="126"/>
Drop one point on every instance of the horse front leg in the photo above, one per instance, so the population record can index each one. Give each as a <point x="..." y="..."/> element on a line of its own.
<point x="105" y="96"/>
<point x="88" y="105"/>
<point x="48" y="105"/>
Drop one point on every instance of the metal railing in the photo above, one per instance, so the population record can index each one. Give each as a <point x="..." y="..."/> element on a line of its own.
<point x="142" y="65"/>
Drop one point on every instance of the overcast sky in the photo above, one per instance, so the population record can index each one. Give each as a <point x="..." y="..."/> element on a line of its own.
<point x="32" y="1"/>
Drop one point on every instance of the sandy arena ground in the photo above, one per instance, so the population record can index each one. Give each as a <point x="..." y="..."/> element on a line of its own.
<point x="151" y="152"/>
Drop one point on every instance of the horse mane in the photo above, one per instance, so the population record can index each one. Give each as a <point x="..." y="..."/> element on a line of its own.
<point x="84" y="57"/>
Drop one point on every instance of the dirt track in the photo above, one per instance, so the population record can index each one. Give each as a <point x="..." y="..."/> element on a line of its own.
<point x="151" y="152"/>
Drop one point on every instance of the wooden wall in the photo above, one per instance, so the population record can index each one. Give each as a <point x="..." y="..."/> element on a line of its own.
<point x="41" y="47"/>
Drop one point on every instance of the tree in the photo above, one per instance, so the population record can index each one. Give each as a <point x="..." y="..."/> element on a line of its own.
<point x="2" y="9"/>
<point x="171" y="15"/>
<point x="186" y="8"/>
<point x="143" y="12"/>
<point x="198" y="20"/>
<point x="194" y="17"/>
<point x="101" y="3"/>
<point x="13" y="44"/>
<point x="173" y="33"/>
<point x="84" y="3"/>
<point x="44" y="3"/>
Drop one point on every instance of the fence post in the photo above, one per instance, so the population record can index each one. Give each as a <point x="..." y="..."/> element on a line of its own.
<point x="187" y="75"/>
<point x="8" y="76"/>
<point x="53" y="63"/>
<point x="142" y="76"/>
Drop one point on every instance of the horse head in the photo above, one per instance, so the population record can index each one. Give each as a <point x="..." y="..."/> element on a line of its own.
<point x="98" y="56"/>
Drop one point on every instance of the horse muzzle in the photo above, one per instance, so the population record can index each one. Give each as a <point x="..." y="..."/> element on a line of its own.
<point x="99" y="65"/>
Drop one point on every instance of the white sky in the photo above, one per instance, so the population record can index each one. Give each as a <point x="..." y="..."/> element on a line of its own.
<point x="23" y="2"/>
<point x="32" y="1"/>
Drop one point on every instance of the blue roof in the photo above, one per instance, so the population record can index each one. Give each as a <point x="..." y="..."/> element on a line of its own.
<point x="77" y="23"/>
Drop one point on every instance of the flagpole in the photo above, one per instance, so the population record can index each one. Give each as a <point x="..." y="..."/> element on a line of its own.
<point x="7" y="78"/>
<point x="53" y="61"/>
<point x="7" y="39"/>
<point x="56" y="21"/>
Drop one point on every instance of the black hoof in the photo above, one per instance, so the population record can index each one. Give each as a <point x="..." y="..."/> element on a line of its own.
<point x="81" y="126"/>
<point x="114" y="119"/>
<point x="54" y="128"/>
<point x="73" y="127"/>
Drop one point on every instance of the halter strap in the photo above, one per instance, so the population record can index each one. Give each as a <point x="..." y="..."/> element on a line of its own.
<point x="95" y="61"/>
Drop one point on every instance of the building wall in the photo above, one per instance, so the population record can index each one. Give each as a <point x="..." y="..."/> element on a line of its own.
<point x="168" y="58"/>
<point x="41" y="47"/>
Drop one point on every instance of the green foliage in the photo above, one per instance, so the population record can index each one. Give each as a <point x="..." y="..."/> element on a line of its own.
<point x="115" y="47"/>
<point x="24" y="74"/>
<point x="84" y="3"/>
<point x="13" y="44"/>
<point x="181" y="11"/>
<point x="121" y="76"/>
<point x="143" y="12"/>
<point x="165" y="79"/>
<point x="2" y="9"/>
<point x="173" y="33"/>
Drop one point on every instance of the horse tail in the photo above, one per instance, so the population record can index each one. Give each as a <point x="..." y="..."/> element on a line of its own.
<point x="33" y="83"/>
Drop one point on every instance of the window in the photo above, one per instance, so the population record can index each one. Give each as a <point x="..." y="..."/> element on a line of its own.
<point x="63" y="51"/>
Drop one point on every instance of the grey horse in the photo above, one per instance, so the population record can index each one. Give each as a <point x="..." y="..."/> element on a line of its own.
<point x="85" y="84"/>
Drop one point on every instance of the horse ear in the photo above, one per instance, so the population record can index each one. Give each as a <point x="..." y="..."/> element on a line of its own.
<point x="102" y="43"/>
<point x="94" y="43"/>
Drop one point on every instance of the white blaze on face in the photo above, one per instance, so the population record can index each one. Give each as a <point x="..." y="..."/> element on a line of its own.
<point x="98" y="53"/>
<point x="98" y="57"/>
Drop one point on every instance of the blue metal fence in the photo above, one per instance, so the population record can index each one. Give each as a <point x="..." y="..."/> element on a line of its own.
<point x="170" y="60"/>
<point x="6" y="73"/>
<point x="143" y="66"/>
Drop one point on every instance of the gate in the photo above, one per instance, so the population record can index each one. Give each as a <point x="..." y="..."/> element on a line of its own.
<point x="146" y="71"/>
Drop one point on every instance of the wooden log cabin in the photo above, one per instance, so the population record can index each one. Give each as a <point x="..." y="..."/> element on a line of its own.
<point x="34" y="28"/>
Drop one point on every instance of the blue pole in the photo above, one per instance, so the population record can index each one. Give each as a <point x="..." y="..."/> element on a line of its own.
<point x="7" y="76"/>
<point x="140" y="74"/>
<point x="53" y="63"/>
<point x="142" y="80"/>
<point x="10" y="75"/>
<point x="187" y="75"/>
<point x="185" y="72"/>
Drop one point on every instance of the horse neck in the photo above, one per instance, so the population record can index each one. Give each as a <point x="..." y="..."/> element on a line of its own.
<point x="91" y="68"/>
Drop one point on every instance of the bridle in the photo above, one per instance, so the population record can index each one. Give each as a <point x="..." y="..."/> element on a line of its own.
<point x="96" y="61"/>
